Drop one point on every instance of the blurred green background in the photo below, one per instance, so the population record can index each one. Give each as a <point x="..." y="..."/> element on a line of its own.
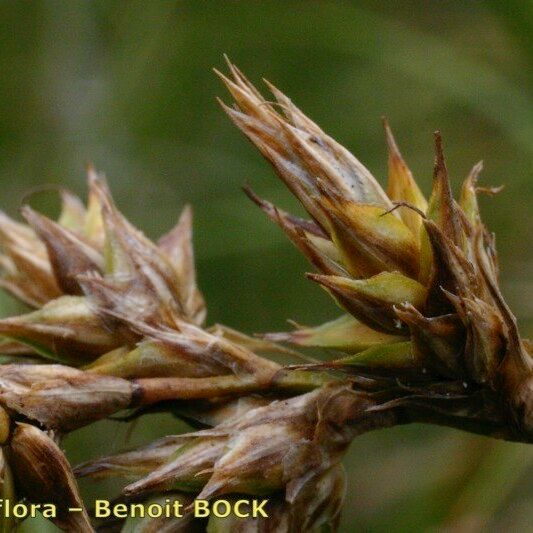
<point x="129" y="86"/>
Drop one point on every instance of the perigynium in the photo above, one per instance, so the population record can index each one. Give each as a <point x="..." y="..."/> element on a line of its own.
<point x="118" y="324"/>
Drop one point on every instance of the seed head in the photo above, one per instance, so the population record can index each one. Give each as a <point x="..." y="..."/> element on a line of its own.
<point x="425" y="336"/>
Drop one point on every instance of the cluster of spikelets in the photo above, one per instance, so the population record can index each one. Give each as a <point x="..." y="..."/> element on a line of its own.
<point x="118" y="326"/>
<point x="119" y="319"/>
<point x="417" y="278"/>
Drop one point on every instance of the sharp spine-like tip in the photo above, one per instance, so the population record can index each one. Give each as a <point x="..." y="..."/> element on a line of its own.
<point x="394" y="150"/>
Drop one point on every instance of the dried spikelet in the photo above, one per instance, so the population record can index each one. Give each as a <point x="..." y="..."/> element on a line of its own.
<point x="65" y="329"/>
<point x="264" y="449"/>
<point x="60" y="397"/>
<point x="44" y="476"/>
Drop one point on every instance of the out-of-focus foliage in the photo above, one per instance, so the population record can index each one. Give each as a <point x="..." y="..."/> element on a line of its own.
<point x="128" y="85"/>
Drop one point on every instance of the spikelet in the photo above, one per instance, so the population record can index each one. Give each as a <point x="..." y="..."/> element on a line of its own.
<point x="44" y="476"/>
<point x="422" y="274"/>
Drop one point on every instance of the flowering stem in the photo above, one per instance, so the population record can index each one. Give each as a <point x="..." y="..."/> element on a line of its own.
<point x="481" y="416"/>
<point x="152" y="390"/>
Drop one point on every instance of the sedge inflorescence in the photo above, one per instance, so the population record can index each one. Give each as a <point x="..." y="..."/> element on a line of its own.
<point x="118" y="324"/>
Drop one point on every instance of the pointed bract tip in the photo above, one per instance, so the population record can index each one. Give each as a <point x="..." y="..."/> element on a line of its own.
<point x="228" y="61"/>
<point x="440" y="162"/>
<point x="391" y="141"/>
<point x="476" y="171"/>
<point x="253" y="196"/>
<point x="225" y="107"/>
<point x="223" y="77"/>
<point x="319" y="278"/>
